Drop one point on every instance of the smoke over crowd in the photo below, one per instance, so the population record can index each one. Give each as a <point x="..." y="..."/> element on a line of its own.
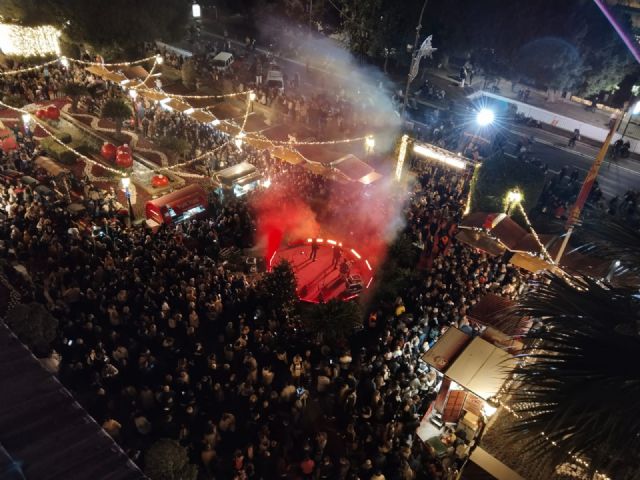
<point x="366" y="217"/>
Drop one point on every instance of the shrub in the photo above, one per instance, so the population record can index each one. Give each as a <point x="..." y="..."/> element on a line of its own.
<point x="67" y="157"/>
<point x="168" y="460"/>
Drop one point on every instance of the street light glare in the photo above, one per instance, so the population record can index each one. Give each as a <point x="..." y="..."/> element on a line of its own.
<point x="636" y="108"/>
<point x="485" y="117"/>
<point x="514" y="196"/>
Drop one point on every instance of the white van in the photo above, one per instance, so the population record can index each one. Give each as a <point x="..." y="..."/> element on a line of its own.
<point x="222" y="61"/>
<point x="275" y="78"/>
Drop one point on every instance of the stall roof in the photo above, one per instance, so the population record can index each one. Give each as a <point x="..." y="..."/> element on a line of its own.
<point x="236" y="171"/>
<point x="178" y="105"/>
<point x="44" y="432"/>
<point x="446" y="349"/>
<point x="481" y="368"/>
<point x="152" y="94"/>
<point x="492" y="465"/>
<point x="202" y="116"/>
<point x="496" y="311"/>
<point x="355" y="169"/>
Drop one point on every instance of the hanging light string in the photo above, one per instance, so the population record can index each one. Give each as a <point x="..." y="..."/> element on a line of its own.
<point x="153" y="68"/>
<point x="78" y="61"/>
<point x="200" y="97"/>
<point x="193" y="160"/>
<point x="58" y="141"/>
<point x="535" y="234"/>
<point x="28" y="69"/>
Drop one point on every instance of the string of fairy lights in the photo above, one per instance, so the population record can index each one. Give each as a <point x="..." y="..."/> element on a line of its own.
<point x="27" y="116"/>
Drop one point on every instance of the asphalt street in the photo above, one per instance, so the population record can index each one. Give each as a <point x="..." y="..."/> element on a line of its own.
<point x="615" y="177"/>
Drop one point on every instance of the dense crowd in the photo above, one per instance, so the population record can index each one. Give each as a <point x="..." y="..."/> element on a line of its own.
<point x="161" y="338"/>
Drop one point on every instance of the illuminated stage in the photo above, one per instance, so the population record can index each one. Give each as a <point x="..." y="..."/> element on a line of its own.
<point x="319" y="281"/>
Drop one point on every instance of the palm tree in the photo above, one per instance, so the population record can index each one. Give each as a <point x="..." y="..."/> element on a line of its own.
<point x="75" y="91"/>
<point x="579" y="385"/>
<point x="117" y="110"/>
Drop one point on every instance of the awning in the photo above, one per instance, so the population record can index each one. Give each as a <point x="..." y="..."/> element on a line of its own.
<point x="202" y="116"/>
<point x="492" y="465"/>
<point x="153" y="95"/>
<point x="481" y="368"/>
<point x="446" y="349"/>
<point x="495" y="311"/>
<point x="178" y="105"/>
<point x="355" y="169"/>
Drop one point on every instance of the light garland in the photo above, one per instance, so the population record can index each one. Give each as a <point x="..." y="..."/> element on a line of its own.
<point x="58" y="141"/>
<point x="193" y="160"/>
<point x="402" y="155"/>
<point x="62" y="59"/>
<point x="535" y="235"/>
<point x="201" y="97"/>
<point x="29" y="41"/>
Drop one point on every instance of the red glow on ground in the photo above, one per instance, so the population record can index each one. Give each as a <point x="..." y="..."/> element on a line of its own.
<point x="321" y="280"/>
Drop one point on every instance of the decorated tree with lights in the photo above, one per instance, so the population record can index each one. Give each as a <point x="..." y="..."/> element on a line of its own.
<point x="116" y="110"/>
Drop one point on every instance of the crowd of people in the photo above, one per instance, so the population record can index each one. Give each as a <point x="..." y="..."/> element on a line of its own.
<point x="159" y="337"/>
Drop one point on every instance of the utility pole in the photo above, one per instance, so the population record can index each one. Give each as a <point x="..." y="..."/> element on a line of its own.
<point x="414" y="53"/>
<point x="574" y="213"/>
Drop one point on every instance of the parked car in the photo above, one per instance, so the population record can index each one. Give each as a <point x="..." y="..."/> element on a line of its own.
<point x="274" y="78"/>
<point x="222" y="61"/>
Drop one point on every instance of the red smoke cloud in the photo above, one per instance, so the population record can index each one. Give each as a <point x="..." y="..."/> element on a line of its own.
<point x="281" y="216"/>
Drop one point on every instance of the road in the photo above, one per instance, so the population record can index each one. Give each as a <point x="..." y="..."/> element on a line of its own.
<point x="615" y="178"/>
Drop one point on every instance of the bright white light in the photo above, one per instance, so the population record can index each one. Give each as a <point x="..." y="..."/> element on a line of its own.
<point x="133" y="93"/>
<point x="252" y="96"/>
<point x="485" y="117"/>
<point x="189" y="111"/>
<point x="196" y="11"/>
<point x="238" y="141"/>
<point x="215" y="122"/>
<point x="356" y="254"/>
<point x="439" y="156"/>
<point x="636" y="109"/>
<point x="29" y="41"/>
<point x="489" y="410"/>
<point x="26" y="118"/>
<point x="64" y="61"/>
<point x="514" y="196"/>
<point x="369" y="143"/>
<point x="126" y="181"/>
<point x="159" y="59"/>
<point x="266" y="183"/>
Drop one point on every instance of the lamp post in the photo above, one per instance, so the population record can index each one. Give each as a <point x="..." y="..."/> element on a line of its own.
<point x="369" y="144"/>
<point x="633" y="111"/>
<point x="252" y="98"/>
<point x="126" y="182"/>
<point x="414" y="54"/>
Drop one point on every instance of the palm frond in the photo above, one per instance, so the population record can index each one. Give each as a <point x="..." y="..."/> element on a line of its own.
<point x="579" y="385"/>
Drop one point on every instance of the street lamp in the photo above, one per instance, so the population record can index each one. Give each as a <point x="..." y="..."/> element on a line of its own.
<point x="369" y="144"/>
<point x="26" y="118"/>
<point x="252" y="98"/>
<point x="159" y="59"/>
<point x="196" y="11"/>
<point x="126" y="182"/>
<point x="64" y="61"/>
<point x="133" y="94"/>
<point x="485" y="117"/>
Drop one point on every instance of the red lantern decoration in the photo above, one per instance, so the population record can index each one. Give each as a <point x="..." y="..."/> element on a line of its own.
<point x="124" y="148"/>
<point x="53" y="112"/>
<point x="158" y="181"/>
<point x="9" y="144"/>
<point x="124" y="160"/>
<point x="41" y="114"/>
<point x="108" y="151"/>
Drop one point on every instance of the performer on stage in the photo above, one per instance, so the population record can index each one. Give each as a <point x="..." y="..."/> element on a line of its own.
<point x="337" y="255"/>
<point x="314" y="250"/>
<point x="345" y="270"/>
